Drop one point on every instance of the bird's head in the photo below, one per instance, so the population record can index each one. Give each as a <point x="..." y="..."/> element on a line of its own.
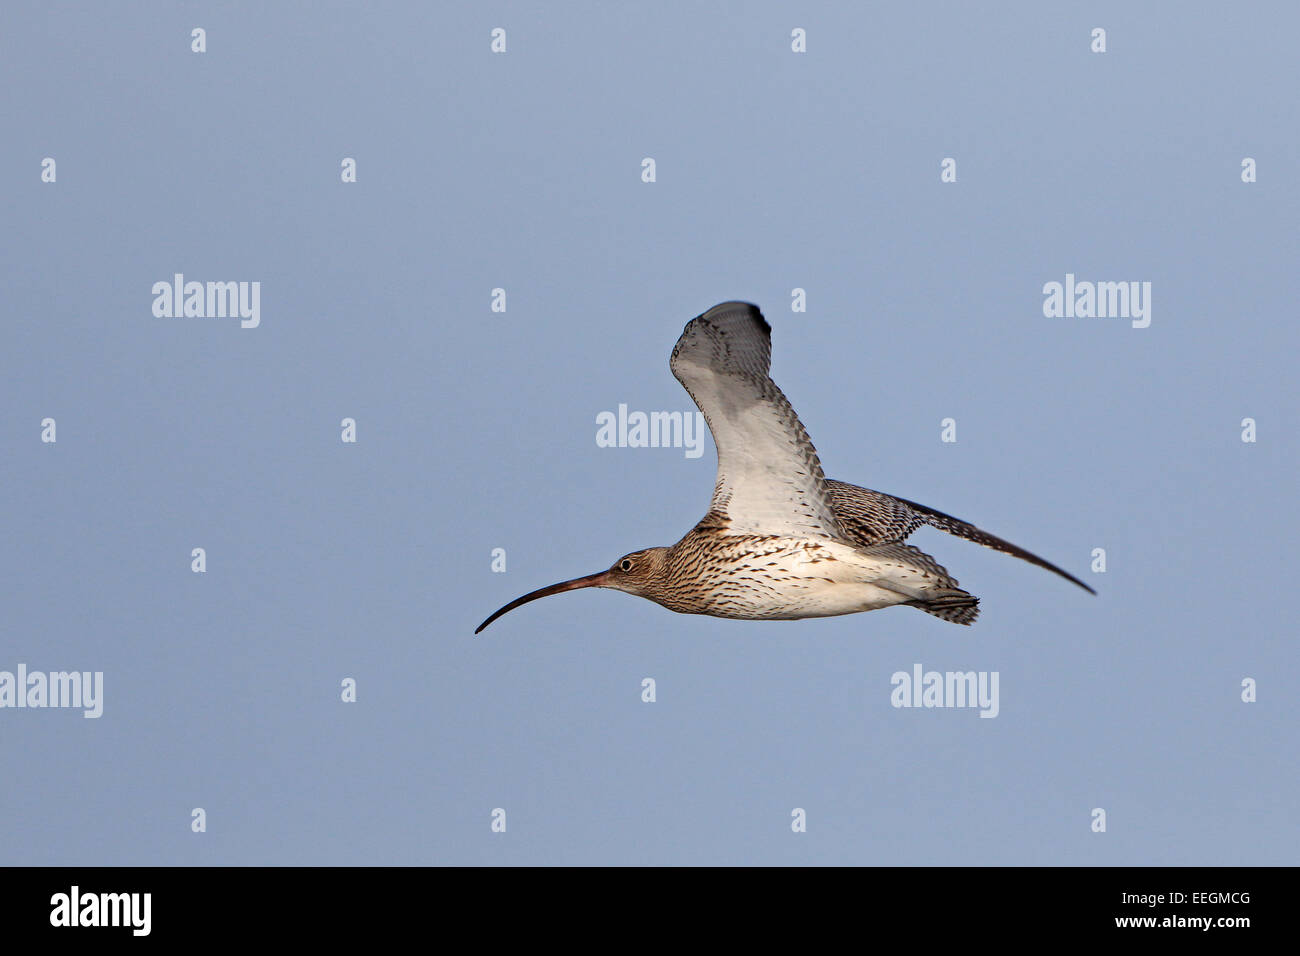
<point x="638" y="573"/>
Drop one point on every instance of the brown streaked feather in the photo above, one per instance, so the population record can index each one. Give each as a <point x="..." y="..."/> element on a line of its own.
<point x="873" y="517"/>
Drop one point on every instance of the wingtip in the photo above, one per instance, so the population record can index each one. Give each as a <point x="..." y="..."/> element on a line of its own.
<point x="733" y="305"/>
<point x="1070" y="577"/>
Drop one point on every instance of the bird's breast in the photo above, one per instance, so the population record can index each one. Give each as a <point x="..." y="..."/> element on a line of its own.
<point x="759" y="577"/>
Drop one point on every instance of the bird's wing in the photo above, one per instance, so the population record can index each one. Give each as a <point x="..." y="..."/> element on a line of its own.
<point x="869" y="517"/>
<point x="872" y="517"/>
<point x="769" y="478"/>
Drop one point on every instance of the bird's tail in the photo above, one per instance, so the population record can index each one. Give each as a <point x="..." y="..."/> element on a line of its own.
<point x="917" y="576"/>
<point x="950" y="604"/>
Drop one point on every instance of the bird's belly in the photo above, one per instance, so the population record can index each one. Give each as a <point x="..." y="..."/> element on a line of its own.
<point x="789" y="584"/>
<point x="794" y="604"/>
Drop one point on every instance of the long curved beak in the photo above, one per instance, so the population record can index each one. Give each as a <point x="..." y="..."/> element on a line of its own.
<point x="590" y="581"/>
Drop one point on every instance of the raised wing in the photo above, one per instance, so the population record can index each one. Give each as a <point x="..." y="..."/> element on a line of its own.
<point x="769" y="478"/>
<point x="872" y="517"/>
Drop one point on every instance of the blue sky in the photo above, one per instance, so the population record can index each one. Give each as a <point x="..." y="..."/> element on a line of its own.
<point x="476" y="430"/>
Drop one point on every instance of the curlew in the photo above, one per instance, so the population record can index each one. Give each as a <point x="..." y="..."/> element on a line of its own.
<point x="780" y="541"/>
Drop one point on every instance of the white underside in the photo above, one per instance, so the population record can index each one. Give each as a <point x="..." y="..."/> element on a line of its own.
<point x="825" y="581"/>
<point x="833" y="601"/>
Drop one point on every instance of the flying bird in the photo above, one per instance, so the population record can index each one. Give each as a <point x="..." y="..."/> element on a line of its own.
<point x="780" y="541"/>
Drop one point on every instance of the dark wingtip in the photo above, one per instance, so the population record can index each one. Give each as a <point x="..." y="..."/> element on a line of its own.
<point x="1047" y="565"/>
<point x="1067" y="575"/>
<point x="495" y="614"/>
<point x="964" y="529"/>
<point x="492" y="617"/>
<point x="754" y="311"/>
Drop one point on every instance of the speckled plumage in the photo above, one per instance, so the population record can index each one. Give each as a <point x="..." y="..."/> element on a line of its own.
<point x="772" y="577"/>
<point x="873" y="517"/>
<point x="780" y="541"/>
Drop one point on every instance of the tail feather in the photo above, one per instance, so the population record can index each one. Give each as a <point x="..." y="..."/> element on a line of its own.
<point x="915" y="574"/>
<point x="954" y="605"/>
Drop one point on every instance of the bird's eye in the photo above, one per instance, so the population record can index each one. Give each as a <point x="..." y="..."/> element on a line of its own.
<point x="625" y="565"/>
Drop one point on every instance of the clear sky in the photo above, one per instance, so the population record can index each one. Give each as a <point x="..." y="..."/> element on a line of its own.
<point x="476" y="429"/>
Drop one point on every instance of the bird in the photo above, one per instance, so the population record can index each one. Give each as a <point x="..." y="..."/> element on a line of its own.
<point x="780" y="541"/>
